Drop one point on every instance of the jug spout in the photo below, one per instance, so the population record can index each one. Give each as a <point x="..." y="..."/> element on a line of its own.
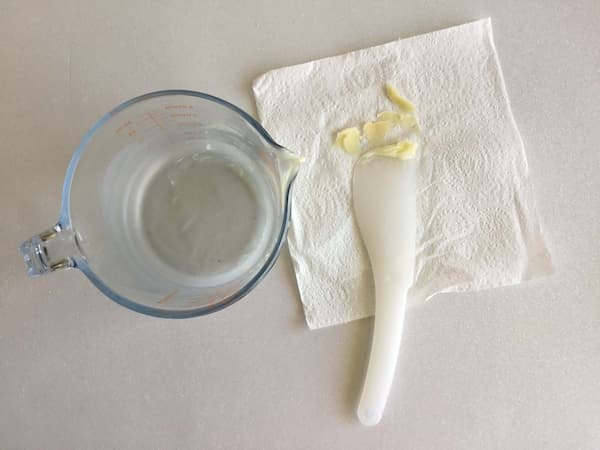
<point x="289" y="164"/>
<point x="50" y="250"/>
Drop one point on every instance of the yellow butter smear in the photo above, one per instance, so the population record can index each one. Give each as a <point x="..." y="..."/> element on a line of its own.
<point x="348" y="139"/>
<point x="375" y="131"/>
<point x="402" y="119"/>
<point x="398" y="99"/>
<point x="403" y="150"/>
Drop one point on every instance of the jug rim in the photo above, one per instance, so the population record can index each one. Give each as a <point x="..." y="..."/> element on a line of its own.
<point x="80" y="262"/>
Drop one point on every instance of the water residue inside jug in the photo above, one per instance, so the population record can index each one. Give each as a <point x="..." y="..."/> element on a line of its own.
<point x="203" y="215"/>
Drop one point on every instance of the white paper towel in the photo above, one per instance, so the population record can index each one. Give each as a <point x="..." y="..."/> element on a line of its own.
<point x="478" y="227"/>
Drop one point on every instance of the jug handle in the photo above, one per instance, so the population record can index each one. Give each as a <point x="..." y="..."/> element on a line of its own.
<point x="50" y="250"/>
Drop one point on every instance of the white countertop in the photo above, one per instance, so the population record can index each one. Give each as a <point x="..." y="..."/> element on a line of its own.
<point x="515" y="368"/>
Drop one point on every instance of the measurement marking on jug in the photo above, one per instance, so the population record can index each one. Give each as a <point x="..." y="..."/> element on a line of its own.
<point x="183" y="115"/>
<point x="168" y="297"/>
<point x="155" y="121"/>
<point x="122" y="127"/>
<point x="179" y="107"/>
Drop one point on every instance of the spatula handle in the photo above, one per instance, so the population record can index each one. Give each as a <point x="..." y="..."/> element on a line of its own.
<point x="387" y="336"/>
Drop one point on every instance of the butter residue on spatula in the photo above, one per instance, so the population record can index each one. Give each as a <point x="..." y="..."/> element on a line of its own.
<point x="375" y="132"/>
<point x="403" y="119"/>
<point x="403" y="150"/>
<point x="398" y="99"/>
<point x="348" y="140"/>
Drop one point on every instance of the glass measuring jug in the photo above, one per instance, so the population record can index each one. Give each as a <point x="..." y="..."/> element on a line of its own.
<point x="175" y="204"/>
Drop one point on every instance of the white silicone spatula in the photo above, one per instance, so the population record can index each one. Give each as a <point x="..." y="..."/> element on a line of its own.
<point x="384" y="200"/>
